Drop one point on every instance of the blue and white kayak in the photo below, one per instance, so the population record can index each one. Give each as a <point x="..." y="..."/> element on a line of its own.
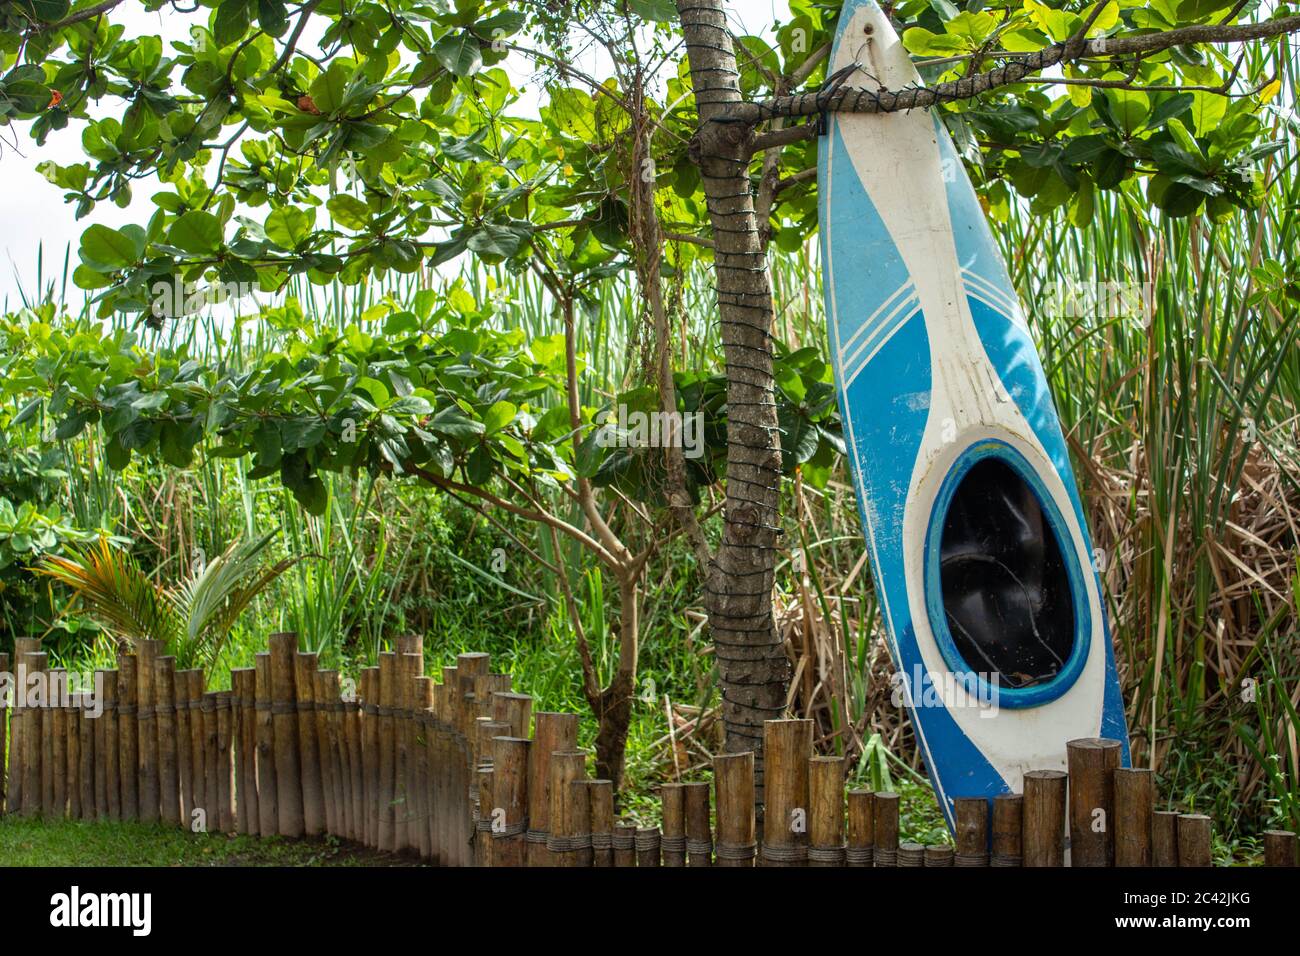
<point x="978" y="543"/>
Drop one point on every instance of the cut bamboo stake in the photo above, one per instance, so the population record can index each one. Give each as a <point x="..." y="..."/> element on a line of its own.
<point x="552" y="732"/>
<point x="429" y="831"/>
<point x="101" y="753"/>
<point x="250" y="809"/>
<point x="237" y="747"/>
<point x="57" y="754"/>
<point x="288" y="773"/>
<point x="911" y="854"/>
<point x="18" y="724"/>
<point x="972" y="832"/>
<point x="1194" y="840"/>
<point x="168" y="765"/>
<point x="514" y="709"/>
<point x="624" y="843"/>
<point x="128" y="733"/>
<point x="225" y="762"/>
<point x="508" y="805"/>
<point x="1279" y="848"/>
<point x="268" y="803"/>
<point x="647" y="846"/>
<point x="411" y="650"/>
<point x="352" y="724"/>
<point x="733" y="781"/>
<point x="204" y="807"/>
<point x="786" y="747"/>
<point x="403" y="676"/>
<point x="886" y="853"/>
<point x="483" y="821"/>
<point x="324" y="695"/>
<point x="313" y="793"/>
<point x="4" y="728"/>
<point x="1164" y="838"/>
<point x="1043" y="839"/>
<point x="444" y="703"/>
<point x="184" y="749"/>
<point x="566" y="818"/>
<point x="600" y="799"/>
<point x="211" y="762"/>
<point x="388" y="668"/>
<point x="1092" y="762"/>
<point x="370" y="751"/>
<point x="86" y="749"/>
<point x="826" y="811"/>
<point x="673" y="841"/>
<point x="422" y="837"/>
<point x="56" y="689"/>
<point x="861" y="850"/>
<point x="148" y="650"/>
<point x="1008" y="829"/>
<point x="939" y="856"/>
<point x="112" y="746"/>
<point x="72" y="726"/>
<point x="1134" y="802"/>
<point x="33" y="741"/>
<point x="699" y="838"/>
<point x="330" y="707"/>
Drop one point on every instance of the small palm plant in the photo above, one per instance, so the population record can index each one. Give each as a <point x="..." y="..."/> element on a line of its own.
<point x="193" y="618"/>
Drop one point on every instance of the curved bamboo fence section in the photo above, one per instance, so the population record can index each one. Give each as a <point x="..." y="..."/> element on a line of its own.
<point x="446" y="771"/>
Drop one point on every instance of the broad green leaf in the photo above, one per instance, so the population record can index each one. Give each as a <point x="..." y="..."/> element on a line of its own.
<point x="288" y="226"/>
<point x="196" y="231"/>
<point x="459" y="53"/>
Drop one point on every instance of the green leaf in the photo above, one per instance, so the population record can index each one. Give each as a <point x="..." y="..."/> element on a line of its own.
<point x="288" y="226"/>
<point x="196" y="231"/>
<point x="660" y="11"/>
<point x="349" y="212"/>
<point x="459" y="53"/>
<point x="107" y="250"/>
<point x="499" y="416"/>
<point x="272" y="16"/>
<point x="231" y="22"/>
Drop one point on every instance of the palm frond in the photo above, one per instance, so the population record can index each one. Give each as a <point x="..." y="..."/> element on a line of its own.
<point x="115" y="592"/>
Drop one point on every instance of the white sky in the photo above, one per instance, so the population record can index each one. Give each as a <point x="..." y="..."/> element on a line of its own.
<point x="32" y="211"/>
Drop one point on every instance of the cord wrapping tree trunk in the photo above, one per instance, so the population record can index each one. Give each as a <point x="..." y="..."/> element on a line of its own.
<point x="753" y="666"/>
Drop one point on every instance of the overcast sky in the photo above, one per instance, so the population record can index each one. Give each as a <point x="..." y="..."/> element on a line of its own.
<point x="34" y="214"/>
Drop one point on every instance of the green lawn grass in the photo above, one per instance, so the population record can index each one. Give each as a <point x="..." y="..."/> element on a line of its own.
<point x="67" y="843"/>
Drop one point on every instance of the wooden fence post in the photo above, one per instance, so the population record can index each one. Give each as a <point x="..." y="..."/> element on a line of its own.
<point x="673" y="841"/>
<point x="198" y="744"/>
<point x="787" y="744"/>
<point x="1194" y="840"/>
<point x="600" y="798"/>
<point x="72" y="750"/>
<point x="388" y="665"/>
<point x="288" y="773"/>
<point x="268" y="801"/>
<point x="56" y="691"/>
<point x="1279" y="848"/>
<point x="112" y="746"/>
<point x="34" y="742"/>
<point x="886" y="852"/>
<point x="564" y="841"/>
<point x="1043" y="840"/>
<point x="699" y="838"/>
<point x="86" y="749"/>
<point x="826" y="811"/>
<point x="1164" y="838"/>
<point x="733" y="781"/>
<point x="509" y="805"/>
<point x="250" y="802"/>
<point x="323" y="702"/>
<point x="624" y="844"/>
<point x="147" y="676"/>
<point x="1134" y="802"/>
<point x="168" y="766"/>
<point x="552" y="732"/>
<point x="101" y="749"/>
<point x="57" y="752"/>
<point x="128" y="732"/>
<point x="1008" y="830"/>
<point x="1092" y="762"/>
<point x="370" y="751"/>
<point x="647" y="846"/>
<point x="861" y="849"/>
<point x="513" y="709"/>
<point x="313" y="795"/>
<point x="972" y="817"/>
<point x="18" y="724"/>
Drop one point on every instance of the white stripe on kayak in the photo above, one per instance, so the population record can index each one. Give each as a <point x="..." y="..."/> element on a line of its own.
<point x="885" y="325"/>
<point x="882" y="340"/>
<point x="866" y="326"/>
<point x="989" y="290"/>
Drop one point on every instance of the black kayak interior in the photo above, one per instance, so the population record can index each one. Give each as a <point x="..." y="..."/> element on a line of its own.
<point x="1006" y="590"/>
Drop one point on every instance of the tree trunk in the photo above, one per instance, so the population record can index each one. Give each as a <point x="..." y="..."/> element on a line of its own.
<point x="613" y="705"/>
<point x="752" y="662"/>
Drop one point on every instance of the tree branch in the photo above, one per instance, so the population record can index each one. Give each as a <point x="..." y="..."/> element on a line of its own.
<point x="846" y="99"/>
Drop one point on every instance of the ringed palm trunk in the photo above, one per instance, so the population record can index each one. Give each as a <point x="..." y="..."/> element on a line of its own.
<point x="753" y="667"/>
